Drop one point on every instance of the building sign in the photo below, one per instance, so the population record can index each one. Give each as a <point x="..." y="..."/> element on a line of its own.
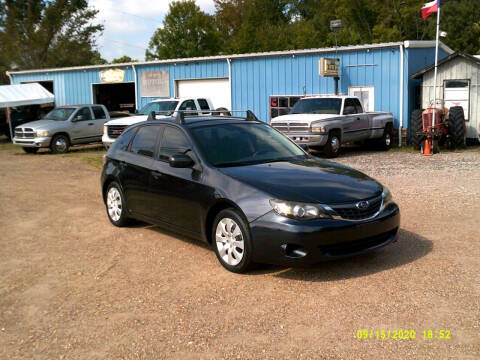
<point x="112" y="76"/>
<point x="155" y="84"/>
<point x="328" y="67"/>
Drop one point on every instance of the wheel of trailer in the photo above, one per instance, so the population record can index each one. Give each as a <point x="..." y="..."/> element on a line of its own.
<point x="416" y="128"/>
<point x="456" y="124"/>
<point x="60" y="144"/>
<point x="385" y="142"/>
<point x="30" y="150"/>
<point x="332" y="147"/>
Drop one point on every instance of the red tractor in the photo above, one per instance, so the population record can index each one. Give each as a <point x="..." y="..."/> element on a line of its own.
<point x="449" y="129"/>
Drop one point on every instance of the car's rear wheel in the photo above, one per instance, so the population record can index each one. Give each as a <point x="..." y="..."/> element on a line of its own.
<point x="60" y="144"/>
<point x="231" y="241"/>
<point x="115" y="204"/>
<point x="385" y="142"/>
<point x="30" y="150"/>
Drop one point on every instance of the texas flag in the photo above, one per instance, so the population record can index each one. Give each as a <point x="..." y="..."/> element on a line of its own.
<point x="429" y="8"/>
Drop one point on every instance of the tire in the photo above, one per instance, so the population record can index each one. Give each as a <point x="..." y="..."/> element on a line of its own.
<point x="115" y="205"/>
<point x="333" y="145"/>
<point x="230" y="233"/>
<point x="456" y="124"/>
<point x="385" y="142"/>
<point x="30" y="150"/>
<point x="60" y="144"/>
<point x="416" y="127"/>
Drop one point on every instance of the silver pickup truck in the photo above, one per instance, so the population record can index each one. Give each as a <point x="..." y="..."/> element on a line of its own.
<point x="63" y="127"/>
<point x="330" y="120"/>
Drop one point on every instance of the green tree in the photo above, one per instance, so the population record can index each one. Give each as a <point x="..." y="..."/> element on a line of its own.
<point x="47" y="33"/>
<point x="123" y="59"/>
<point x="187" y="32"/>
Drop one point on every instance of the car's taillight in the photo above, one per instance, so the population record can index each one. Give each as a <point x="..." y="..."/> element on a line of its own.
<point x="104" y="159"/>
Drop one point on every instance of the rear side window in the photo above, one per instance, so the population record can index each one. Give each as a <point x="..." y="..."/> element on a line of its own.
<point x="174" y="142"/>
<point x="122" y="142"/>
<point x="145" y="140"/>
<point x="98" y="112"/>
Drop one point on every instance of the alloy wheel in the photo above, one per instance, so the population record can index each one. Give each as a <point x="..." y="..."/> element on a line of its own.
<point x="114" y="204"/>
<point x="230" y="241"/>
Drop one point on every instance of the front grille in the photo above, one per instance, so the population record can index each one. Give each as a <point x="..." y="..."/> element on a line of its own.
<point x="115" y="131"/>
<point x="292" y="127"/>
<point x="25" y="133"/>
<point x="352" y="212"/>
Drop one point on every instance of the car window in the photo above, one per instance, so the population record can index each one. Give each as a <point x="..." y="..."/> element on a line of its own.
<point x="174" y="142"/>
<point x="203" y="104"/>
<point x="317" y="106"/>
<point x="98" y="112"/>
<point x="145" y="140"/>
<point x="349" y="102"/>
<point x="162" y="107"/>
<point x="124" y="140"/>
<point x="59" y="114"/>
<point x="358" y="106"/>
<point x="188" y="105"/>
<point x="84" y="113"/>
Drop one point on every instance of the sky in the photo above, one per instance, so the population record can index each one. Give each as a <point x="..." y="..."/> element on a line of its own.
<point x="129" y="24"/>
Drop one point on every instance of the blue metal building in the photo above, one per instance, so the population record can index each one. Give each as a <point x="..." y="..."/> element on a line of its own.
<point x="379" y="73"/>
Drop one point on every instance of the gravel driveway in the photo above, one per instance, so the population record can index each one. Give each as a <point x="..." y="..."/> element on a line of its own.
<point x="72" y="286"/>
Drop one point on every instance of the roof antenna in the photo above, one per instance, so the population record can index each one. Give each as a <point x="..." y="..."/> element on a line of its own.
<point x="251" y="116"/>
<point x="151" y="116"/>
<point x="180" y="117"/>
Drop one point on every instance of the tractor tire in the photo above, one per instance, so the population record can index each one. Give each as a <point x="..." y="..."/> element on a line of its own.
<point x="416" y="126"/>
<point x="456" y="125"/>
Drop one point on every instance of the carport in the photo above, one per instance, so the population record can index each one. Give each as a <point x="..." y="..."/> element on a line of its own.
<point x="23" y="94"/>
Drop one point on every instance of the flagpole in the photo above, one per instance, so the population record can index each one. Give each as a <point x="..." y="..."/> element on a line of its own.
<point x="436" y="64"/>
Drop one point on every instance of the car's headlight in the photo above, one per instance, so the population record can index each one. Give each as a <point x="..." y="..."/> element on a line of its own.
<point x="105" y="129"/>
<point x="298" y="210"/>
<point x="318" y="128"/>
<point x="43" y="133"/>
<point x="386" y="196"/>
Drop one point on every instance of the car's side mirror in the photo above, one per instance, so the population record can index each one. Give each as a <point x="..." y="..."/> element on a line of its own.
<point x="79" y="118"/>
<point x="180" y="161"/>
<point x="348" y="110"/>
<point x="304" y="146"/>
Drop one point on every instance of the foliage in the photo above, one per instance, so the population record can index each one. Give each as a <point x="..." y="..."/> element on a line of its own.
<point x="123" y="59"/>
<point x="47" y="33"/>
<point x="187" y="32"/>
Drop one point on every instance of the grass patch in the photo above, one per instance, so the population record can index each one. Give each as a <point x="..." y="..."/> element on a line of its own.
<point x="91" y="155"/>
<point x="7" y="146"/>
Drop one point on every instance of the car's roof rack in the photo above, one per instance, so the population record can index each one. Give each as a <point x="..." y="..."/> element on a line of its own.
<point x="180" y="115"/>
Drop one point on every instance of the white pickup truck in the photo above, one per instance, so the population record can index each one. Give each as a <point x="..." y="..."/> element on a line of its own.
<point x="163" y="108"/>
<point x="327" y="121"/>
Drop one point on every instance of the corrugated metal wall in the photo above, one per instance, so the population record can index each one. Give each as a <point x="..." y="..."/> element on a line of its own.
<point x="255" y="79"/>
<point x="457" y="69"/>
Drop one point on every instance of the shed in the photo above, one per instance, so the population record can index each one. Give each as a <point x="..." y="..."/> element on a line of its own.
<point x="458" y="81"/>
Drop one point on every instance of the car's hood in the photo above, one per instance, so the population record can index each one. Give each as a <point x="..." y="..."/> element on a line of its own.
<point x="42" y="124"/>
<point x="309" y="180"/>
<point x="302" y="117"/>
<point x="129" y="120"/>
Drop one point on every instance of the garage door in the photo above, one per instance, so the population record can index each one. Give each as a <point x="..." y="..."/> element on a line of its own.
<point x="217" y="90"/>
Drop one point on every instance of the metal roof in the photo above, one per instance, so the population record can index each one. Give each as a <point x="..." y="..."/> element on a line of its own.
<point x="447" y="59"/>
<point x="406" y="44"/>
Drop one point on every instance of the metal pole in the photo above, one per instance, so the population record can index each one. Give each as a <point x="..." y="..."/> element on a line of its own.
<point x="436" y="64"/>
<point x="400" y="121"/>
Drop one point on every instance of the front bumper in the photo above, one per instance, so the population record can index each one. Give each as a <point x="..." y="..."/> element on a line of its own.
<point x="283" y="241"/>
<point x="107" y="141"/>
<point x="38" y="142"/>
<point x="308" y="138"/>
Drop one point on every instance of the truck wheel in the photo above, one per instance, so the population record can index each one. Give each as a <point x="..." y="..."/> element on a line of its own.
<point x="456" y="125"/>
<point x="332" y="147"/>
<point x="30" y="150"/>
<point x="385" y="142"/>
<point x="60" y="144"/>
<point x="416" y="127"/>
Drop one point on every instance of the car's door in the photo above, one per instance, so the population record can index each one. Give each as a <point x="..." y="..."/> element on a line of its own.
<point x="178" y="193"/>
<point x="135" y="166"/>
<point x="354" y="120"/>
<point x="100" y="118"/>
<point x="83" y="126"/>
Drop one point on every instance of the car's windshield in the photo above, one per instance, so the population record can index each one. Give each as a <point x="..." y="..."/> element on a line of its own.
<point x="244" y="144"/>
<point x="317" y="106"/>
<point x="60" y="114"/>
<point x="163" y="107"/>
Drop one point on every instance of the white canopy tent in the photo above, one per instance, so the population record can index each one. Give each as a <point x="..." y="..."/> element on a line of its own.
<point x="24" y="94"/>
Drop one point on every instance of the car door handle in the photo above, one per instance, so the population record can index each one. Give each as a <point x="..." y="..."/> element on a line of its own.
<point x="156" y="174"/>
<point x="358" y="118"/>
<point x="90" y="123"/>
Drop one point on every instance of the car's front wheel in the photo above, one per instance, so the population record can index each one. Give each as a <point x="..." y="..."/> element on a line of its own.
<point x="115" y="203"/>
<point x="60" y="144"/>
<point x="231" y="241"/>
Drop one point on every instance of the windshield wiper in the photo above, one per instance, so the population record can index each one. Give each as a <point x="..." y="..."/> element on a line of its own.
<point x="231" y="164"/>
